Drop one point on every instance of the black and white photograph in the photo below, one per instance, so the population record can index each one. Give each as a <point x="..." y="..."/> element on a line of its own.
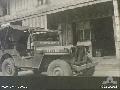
<point x="60" y="38"/>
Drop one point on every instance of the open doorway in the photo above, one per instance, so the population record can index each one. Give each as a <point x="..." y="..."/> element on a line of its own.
<point x="74" y="32"/>
<point x="103" y="33"/>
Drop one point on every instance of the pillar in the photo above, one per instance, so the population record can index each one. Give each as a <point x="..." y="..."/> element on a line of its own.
<point x="116" y="20"/>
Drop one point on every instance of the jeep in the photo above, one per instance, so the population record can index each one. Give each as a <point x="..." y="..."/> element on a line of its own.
<point x="24" y="48"/>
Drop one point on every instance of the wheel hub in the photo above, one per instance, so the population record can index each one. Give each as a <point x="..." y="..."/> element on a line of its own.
<point x="58" y="71"/>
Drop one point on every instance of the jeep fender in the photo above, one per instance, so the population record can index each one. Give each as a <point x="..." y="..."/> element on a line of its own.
<point x="49" y="58"/>
<point x="10" y="54"/>
<point x="3" y="57"/>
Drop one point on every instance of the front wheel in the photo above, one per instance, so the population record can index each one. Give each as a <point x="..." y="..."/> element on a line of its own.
<point x="59" y="68"/>
<point x="8" y="68"/>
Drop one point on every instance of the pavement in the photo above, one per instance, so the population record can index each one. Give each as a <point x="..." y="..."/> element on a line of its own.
<point x="107" y="66"/>
<point x="23" y="73"/>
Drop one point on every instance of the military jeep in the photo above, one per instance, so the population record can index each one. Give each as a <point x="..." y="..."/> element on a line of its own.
<point x="41" y="51"/>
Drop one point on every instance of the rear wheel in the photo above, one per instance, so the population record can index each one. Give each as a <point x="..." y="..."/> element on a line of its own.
<point x="8" y="67"/>
<point x="59" y="68"/>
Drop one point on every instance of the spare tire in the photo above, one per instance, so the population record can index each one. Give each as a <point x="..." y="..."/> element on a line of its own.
<point x="88" y="72"/>
<point x="59" y="68"/>
<point x="8" y="68"/>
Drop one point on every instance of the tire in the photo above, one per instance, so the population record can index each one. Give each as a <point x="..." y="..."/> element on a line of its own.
<point x="59" y="68"/>
<point x="8" y="68"/>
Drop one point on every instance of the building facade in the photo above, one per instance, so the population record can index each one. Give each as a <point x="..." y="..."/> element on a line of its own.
<point x="3" y="10"/>
<point x="96" y="23"/>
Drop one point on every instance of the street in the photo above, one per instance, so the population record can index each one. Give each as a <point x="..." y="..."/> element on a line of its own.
<point x="107" y="66"/>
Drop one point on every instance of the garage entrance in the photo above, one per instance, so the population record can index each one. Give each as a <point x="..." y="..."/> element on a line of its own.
<point x="103" y="33"/>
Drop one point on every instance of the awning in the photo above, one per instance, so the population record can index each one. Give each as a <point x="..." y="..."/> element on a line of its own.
<point x="49" y="9"/>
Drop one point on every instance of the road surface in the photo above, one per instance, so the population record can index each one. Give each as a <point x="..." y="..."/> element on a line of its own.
<point x="106" y="67"/>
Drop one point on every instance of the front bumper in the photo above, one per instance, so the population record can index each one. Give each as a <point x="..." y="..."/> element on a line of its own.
<point x="84" y="66"/>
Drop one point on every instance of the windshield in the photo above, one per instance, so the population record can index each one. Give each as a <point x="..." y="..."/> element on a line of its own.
<point x="46" y="36"/>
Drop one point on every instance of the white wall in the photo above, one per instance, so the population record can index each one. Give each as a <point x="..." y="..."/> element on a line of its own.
<point x="55" y="2"/>
<point x="40" y="21"/>
<point x="17" y="6"/>
<point x="22" y="6"/>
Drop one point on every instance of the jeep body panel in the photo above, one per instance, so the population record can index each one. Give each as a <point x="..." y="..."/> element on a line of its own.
<point x="32" y="61"/>
<point x="54" y="52"/>
<point x="54" y="49"/>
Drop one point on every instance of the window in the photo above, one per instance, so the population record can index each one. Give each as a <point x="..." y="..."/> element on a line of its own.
<point x="84" y="32"/>
<point x="46" y="36"/>
<point x="84" y="35"/>
<point x="8" y="8"/>
<point x="87" y="35"/>
<point x="41" y="2"/>
<point x="80" y="35"/>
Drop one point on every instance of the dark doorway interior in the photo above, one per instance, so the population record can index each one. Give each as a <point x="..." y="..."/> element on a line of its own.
<point x="74" y="30"/>
<point x="103" y="37"/>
